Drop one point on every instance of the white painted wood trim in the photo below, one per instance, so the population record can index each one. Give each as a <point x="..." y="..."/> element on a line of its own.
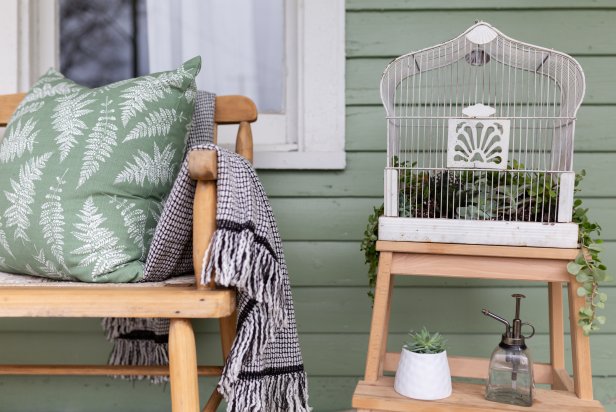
<point x="299" y="160"/>
<point x="315" y="93"/>
<point x="391" y="192"/>
<point x="29" y="33"/>
<point x="565" y="197"/>
<point x="481" y="232"/>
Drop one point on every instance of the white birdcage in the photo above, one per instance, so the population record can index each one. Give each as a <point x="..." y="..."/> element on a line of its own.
<point x="480" y="143"/>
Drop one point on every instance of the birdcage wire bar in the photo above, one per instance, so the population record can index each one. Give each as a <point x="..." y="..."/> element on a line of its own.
<point x="481" y="128"/>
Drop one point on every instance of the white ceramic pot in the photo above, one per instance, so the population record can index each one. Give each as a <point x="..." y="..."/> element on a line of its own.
<point x="424" y="376"/>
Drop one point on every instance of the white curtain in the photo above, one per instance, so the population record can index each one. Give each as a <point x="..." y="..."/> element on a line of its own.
<point x="241" y="43"/>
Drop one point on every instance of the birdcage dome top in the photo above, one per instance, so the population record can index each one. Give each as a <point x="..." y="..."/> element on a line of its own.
<point x="483" y="43"/>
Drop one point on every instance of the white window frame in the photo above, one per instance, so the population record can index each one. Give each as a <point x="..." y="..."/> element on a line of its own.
<point x="311" y="132"/>
<point x="29" y="34"/>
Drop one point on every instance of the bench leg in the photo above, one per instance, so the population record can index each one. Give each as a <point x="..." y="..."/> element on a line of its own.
<point x="183" y="367"/>
<point x="227" y="335"/>
<point x="580" y="345"/>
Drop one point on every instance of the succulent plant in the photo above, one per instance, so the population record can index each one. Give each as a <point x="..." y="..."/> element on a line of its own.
<point x="425" y="342"/>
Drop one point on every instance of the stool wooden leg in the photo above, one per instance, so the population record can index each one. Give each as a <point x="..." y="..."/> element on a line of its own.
<point x="183" y="367"/>
<point x="557" y="333"/>
<point x="580" y="346"/>
<point x="227" y="335"/>
<point x="380" y="315"/>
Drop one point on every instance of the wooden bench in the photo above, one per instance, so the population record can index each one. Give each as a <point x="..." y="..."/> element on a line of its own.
<point x="180" y="299"/>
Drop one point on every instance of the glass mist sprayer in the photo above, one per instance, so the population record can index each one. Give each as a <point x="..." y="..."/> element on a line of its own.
<point x="510" y="378"/>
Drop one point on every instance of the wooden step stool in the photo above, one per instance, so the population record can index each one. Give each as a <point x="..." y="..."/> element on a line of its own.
<point x="376" y="393"/>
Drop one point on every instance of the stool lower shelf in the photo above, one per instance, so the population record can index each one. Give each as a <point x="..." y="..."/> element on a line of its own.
<point x="466" y="397"/>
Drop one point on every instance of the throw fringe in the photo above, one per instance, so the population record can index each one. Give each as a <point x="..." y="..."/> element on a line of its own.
<point x="236" y="259"/>
<point x="135" y="352"/>
<point x="271" y="393"/>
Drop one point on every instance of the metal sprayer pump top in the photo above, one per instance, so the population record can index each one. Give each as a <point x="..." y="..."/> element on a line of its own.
<point x="513" y="333"/>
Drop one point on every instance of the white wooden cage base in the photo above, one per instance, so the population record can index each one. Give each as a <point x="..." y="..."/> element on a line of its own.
<point x="480" y="232"/>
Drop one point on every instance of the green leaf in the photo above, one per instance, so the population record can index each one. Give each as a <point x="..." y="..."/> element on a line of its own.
<point x="581" y="291"/>
<point x="574" y="268"/>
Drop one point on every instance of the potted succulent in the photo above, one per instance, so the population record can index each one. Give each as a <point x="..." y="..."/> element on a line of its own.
<point x="423" y="372"/>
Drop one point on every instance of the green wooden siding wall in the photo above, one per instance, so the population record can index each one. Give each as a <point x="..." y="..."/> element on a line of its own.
<point x="322" y="215"/>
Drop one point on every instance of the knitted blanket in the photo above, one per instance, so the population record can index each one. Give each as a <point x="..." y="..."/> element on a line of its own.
<point x="264" y="371"/>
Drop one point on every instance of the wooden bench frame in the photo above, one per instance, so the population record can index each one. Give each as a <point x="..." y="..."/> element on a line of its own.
<point x="178" y="303"/>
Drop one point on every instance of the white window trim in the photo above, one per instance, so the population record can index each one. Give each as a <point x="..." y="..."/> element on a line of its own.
<point x="311" y="133"/>
<point x="30" y="37"/>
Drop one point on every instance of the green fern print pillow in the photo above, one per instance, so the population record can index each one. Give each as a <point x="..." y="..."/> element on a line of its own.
<point x="84" y="172"/>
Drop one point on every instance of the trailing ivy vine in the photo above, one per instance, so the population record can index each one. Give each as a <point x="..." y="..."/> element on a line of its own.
<point x="587" y="267"/>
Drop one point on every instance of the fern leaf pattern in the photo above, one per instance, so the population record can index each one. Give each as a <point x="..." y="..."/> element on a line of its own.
<point x="52" y="220"/>
<point x="99" y="244"/>
<point x="156" y="169"/>
<point x="150" y="89"/>
<point x="24" y="109"/>
<point x="100" y="143"/>
<point x="22" y="195"/>
<point x="157" y="123"/>
<point x="4" y="242"/>
<point x="48" y="268"/>
<point x="41" y="91"/>
<point x="134" y="221"/>
<point x="20" y="139"/>
<point x="191" y="93"/>
<point x="66" y="119"/>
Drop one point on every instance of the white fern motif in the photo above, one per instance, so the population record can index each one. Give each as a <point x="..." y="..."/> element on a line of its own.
<point x="155" y="209"/>
<point x="26" y="109"/>
<point x="100" y="143"/>
<point x="149" y="89"/>
<point x="22" y="195"/>
<point x="48" y="268"/>
<point x="156" y="169"/>
<point x="100" y="245"/>
<point x="191" y="92"/>
<point x="157" y="123"/>
<point x="52" y="220"/>
<point x="20" y="139"/>
<point x="3" y="241"/>
<point x="40" y="91"/>
<point x="134" y="221"/>
<point x="66" y="120"/>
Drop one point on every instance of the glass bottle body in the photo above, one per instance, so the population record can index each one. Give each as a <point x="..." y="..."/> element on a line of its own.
<point x="510" y="377"/>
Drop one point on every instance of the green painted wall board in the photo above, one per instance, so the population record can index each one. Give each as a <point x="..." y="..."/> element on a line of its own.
<point x="364" y="75"/>
<point x="366" y="131"/>
<point x="391" y="33"/>
<point x="482" y="5"/>
<point x="363" y="177"/>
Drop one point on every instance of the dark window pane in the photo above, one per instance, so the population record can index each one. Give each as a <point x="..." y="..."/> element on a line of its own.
<point x="103" y="41"/>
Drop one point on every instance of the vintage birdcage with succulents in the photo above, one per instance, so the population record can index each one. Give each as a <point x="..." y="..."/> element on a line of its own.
<point x="480" y="142"/>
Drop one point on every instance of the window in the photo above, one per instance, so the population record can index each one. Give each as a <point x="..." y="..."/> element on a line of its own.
<point x="286" y="55"/>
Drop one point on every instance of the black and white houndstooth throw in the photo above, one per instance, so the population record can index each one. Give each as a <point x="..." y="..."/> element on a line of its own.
<point x="264" y="371"/>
